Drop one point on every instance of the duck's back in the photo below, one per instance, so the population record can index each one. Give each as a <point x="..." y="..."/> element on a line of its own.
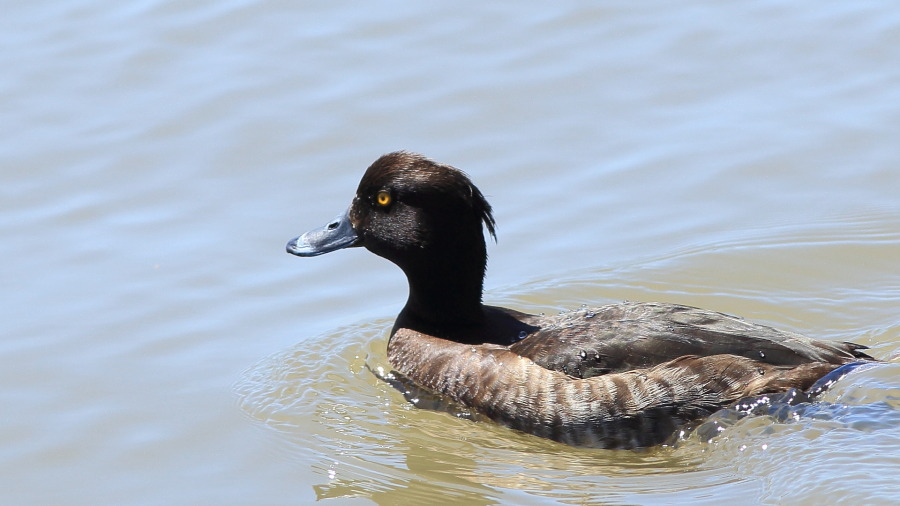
<point x="622" y="337"/>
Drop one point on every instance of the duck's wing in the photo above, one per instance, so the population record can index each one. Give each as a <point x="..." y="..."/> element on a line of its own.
<point x="627" y="336"/>
<point x="622" y="410"/>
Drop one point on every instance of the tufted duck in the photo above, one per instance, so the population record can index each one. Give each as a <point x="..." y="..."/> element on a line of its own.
<point x="618" y="376"/>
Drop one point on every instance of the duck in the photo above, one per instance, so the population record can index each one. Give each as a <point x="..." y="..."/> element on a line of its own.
<point x="624" y="375"/>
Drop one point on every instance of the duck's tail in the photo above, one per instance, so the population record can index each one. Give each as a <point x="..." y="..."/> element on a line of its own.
<point x="825" y="382"/>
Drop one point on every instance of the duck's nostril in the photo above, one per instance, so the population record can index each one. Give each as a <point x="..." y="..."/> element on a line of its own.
<point x="333" y="225"/>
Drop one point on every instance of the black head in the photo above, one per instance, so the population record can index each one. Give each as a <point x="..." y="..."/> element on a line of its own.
<point x="425" y="217"/>
<point x="408" y="205"/>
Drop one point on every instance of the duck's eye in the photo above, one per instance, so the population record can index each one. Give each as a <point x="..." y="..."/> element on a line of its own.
<point x="383" y="198"/>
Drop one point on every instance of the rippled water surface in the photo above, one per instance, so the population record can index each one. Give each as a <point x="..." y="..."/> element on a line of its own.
<point x="159" y="347"/>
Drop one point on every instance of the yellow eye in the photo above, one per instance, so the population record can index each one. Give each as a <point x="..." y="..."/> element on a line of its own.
<point x="383" y="198"/>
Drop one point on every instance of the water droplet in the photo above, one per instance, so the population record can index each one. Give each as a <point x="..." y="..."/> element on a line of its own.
<point x="762" y="355"/>
<point x="589" y="315"/>
<point x="583" y="354"/>
<point x="522" y="334"/>
<point x="761" y="371"/>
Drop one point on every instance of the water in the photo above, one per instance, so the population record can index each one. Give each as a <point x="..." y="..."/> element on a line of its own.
<point x="160" y="347"/>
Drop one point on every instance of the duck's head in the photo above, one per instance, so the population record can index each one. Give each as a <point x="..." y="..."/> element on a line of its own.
<point x="425" y="217"/>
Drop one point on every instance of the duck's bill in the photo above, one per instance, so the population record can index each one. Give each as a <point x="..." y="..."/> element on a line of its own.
<point x="337" y="234"/>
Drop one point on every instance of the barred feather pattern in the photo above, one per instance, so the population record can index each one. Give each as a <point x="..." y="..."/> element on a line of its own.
<point x="631" y="409"/>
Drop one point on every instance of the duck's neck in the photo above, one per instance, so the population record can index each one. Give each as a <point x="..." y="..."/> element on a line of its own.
<point x="445" y="293"/>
